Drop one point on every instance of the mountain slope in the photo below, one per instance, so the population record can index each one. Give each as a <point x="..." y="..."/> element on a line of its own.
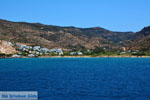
<point x="142" y="39"/>
<point x="64" y="37"/>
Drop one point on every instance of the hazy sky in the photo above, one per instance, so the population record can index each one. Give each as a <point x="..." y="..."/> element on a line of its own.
<point x="116" y="15"/>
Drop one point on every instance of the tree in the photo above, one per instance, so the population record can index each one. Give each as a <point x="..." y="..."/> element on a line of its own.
<point x="98" y="50"/>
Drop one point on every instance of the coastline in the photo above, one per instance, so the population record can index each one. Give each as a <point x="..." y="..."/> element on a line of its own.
<point x="94" y="57"/>
<point x="81" y="57"/>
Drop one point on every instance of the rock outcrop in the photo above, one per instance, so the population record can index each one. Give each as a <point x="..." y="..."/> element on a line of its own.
<point x="6" y="48"/>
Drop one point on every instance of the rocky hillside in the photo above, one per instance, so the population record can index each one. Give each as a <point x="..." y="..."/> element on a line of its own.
<point x="142" y="39"/>
<point x="71" y="37"/>
<point x="64" y="37"/>
<point x="6" y="48"/>
<point x="144" y="32"/>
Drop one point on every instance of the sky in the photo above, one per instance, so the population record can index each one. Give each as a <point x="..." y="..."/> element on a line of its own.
<point x="115" y="15"/>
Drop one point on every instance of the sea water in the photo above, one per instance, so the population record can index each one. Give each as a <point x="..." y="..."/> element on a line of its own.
<point x="78" y="78"/>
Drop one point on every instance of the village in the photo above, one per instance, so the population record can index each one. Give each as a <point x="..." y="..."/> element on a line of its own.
<point x="23" y="50"/>
<point x="36" y="51"/>
<point x="18" y="50"/>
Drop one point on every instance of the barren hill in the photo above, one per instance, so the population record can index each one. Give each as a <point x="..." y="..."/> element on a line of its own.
<point x="65" y="37"/>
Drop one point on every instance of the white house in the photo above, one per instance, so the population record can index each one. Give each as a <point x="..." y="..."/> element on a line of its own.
<point x="59" y="51"/>
<point x="44" y="50"/>
<point x="10" y="44"/>
<point x="36" y="48"/>
<point x="73" y="53"/>
<point x="15" y="56"/>
<point x="31" y="55"/>
<point x="79" y="53"/>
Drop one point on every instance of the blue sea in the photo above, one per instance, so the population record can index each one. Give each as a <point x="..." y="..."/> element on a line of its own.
<point x="78" y="78"/>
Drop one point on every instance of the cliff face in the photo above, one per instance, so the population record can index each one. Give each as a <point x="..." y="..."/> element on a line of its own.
<point x="65" y="37"/>
<point x="6" y="48"/>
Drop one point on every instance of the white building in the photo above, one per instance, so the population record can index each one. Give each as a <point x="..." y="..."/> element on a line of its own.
<point x="44" y="50"/>
<point x="79" y="53"/>
<point x="59" y="51"/>
<point x="36" y="48"/>
<point x="10" y="44"/>
<point x="31" y="55"/>
<point x="73" y="53"/>
<point x="76" y="53"/>
<point x="15" y="56"/>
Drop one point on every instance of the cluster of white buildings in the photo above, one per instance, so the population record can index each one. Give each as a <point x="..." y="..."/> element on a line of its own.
<point x="37" y="50"/>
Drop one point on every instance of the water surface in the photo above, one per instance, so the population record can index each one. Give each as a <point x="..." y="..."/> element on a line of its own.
<point x="78" y="78"/>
